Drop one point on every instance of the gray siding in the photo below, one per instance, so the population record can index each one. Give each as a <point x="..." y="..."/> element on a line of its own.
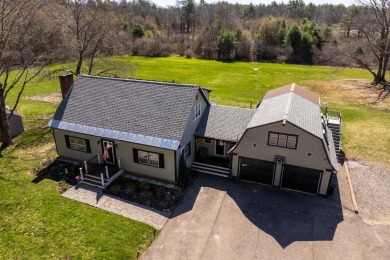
<point x="211" y="147"/>
<point x="306" y="143"/>
<point x="189" y="131"/>
<point x="124" y="151"/>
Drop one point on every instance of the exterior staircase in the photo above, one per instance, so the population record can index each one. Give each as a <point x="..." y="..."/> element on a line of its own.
<point x="334" y="124"/>
<point x="93" y="180"/>
<point x="211" y="169"/>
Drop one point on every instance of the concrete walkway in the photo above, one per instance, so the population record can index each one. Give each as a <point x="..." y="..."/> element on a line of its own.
<point x="95" y="197"/>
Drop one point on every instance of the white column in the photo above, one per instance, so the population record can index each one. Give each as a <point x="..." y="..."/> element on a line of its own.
<point x="119" y="163"/>
<point x="101" y="176"/>
<point x="278" y="174"/>
<point x="81" y="174"/>
<point x="234" y="165"/>
<point x="98" y="155"/>
<point x="86" y="167"/>
<point x="108" y="176"/>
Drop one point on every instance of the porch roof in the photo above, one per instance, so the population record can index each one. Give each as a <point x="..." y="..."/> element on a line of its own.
<point x="224" y="123"/>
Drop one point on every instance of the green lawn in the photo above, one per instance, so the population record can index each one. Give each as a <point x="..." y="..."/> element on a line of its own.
<point x="366" y="129"/>
<point x="37" y="222"/>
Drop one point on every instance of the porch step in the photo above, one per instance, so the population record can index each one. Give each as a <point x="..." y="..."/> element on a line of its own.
<point x="92" y="184"/>
<point x="87" y="179"/>
<point x="89" y="176"/>
<point x="210" y="169"/>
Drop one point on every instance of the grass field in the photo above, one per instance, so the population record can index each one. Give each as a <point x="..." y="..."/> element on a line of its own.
<point x="366" y="129"/>
<point x="37" y="222"/>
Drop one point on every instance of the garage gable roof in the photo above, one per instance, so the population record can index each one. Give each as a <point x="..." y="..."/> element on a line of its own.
<point x="147" y="112"/>
<point x="224" y="123"/>
<point x="295" y="89"/>
<point x="290" y="107"/>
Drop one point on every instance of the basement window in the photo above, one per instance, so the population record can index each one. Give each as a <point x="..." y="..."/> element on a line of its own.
<point x="282" y="140"/>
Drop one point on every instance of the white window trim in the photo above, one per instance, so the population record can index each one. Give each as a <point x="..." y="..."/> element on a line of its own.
<point x="215" y="148"/>
<point x="211" y="141"/>
<point x="197" y="111"/>
<point x="150" y="162"/>
<point x="78" y="144"/>
<point x="283" y="142"/>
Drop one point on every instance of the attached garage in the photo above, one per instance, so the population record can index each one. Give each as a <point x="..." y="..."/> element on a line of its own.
<point x="301" y="179"/>
<point x="256" y="170"/>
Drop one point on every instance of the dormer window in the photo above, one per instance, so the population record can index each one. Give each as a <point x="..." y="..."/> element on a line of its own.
<point x="197" y="111"/>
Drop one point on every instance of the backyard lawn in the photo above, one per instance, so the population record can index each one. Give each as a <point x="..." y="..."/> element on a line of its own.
<point x="37" y="222"/>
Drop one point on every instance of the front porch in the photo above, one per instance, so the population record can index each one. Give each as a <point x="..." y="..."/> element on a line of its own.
<point x="212" y="157"/>
<point x="97" y="173"/>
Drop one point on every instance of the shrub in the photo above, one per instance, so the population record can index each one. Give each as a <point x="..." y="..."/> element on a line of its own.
<point x="144" y="185"/>
<point x="62" y="186"/>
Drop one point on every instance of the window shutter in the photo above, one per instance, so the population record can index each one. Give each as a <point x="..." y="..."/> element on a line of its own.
<point x="135" y="155"/>
<point x="88" y="145"/>
<point x="67" y="141"/>
<point x="161" y="159"/>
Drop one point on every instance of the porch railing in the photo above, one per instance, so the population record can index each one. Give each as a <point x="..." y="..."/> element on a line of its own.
<point x="93" y="164"/>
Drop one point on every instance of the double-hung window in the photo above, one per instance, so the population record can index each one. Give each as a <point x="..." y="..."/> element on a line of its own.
<point x="148" y="158"/>
<point x="282" y="140"/>
<point x="78" y="144"/>
<point x="197" y="111"/>
<point x="143" y="157"/>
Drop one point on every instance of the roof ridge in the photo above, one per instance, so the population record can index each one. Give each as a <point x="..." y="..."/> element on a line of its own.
<point x="288" y="106"/>
<point x="244" y="108"/>
<point x="140" y="80"/>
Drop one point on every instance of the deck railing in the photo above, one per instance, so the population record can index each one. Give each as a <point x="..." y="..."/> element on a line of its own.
<point x="331" y="113"/>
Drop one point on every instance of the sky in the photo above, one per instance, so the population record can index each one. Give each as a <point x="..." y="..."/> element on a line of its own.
<point x="256" y="2"/>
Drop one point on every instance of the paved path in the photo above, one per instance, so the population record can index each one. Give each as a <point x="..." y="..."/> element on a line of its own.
<point x="95" y="197"/>
<point x="221" y="219"/>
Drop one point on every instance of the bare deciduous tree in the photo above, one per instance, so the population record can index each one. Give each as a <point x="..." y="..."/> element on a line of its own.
<point x="373" y="22"/>
<point x="25" y="48"/>
<point x="85" y="29"/>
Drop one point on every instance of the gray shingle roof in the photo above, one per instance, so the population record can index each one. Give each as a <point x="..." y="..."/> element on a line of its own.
<point x="151" y="111"/>
<point x="292" y="108"/>
<point x="224" y="123"/>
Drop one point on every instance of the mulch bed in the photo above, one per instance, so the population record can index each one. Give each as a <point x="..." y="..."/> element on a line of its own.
<point x="159" y="197"/>
<point x="148" y="194"/>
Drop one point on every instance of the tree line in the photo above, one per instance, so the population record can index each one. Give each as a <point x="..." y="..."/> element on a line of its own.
<point x="34" y="33"/>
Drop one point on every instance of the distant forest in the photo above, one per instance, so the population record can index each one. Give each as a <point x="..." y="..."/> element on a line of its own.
<point x="88" y="30"/>
<point x="293" y="33"/>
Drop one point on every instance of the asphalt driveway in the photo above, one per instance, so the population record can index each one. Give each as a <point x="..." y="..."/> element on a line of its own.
<point x="221" y="219"/>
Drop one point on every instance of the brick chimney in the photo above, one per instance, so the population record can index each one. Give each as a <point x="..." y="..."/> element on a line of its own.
<point x="66" y="81"/>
